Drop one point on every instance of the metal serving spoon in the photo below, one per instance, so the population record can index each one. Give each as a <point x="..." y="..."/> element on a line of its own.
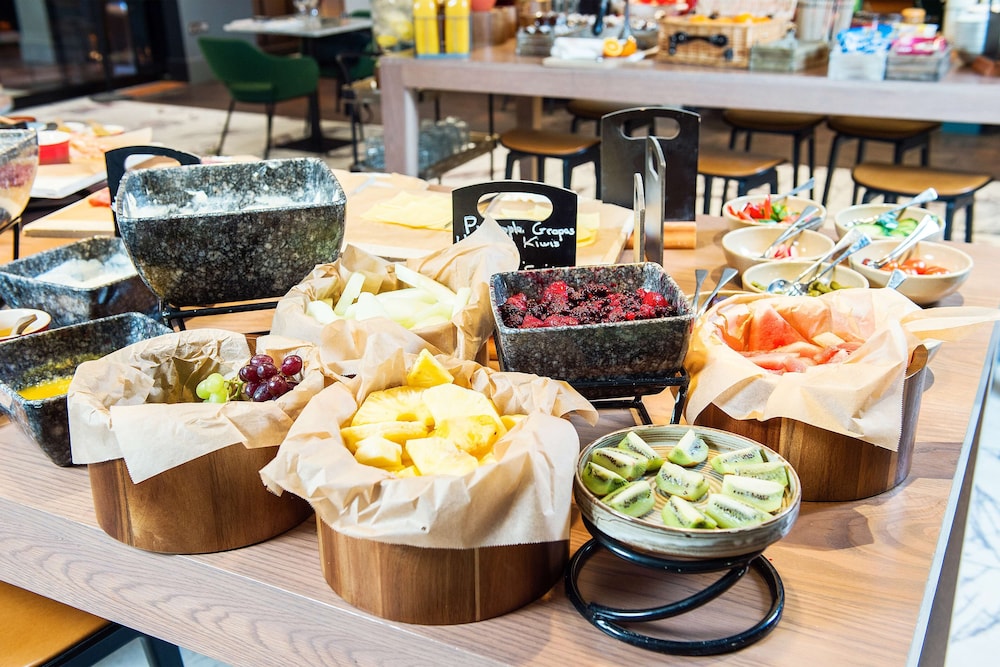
<point x="927" y="227"/>
<point x="808" y="185"/>
<point x="892" y="215"/>
<point x="896" y="279"/>
<point x="808" y="219"/>
<point x="728" y="274"/>
<point x="800" y="284"/>
<point x="699" y="278"/>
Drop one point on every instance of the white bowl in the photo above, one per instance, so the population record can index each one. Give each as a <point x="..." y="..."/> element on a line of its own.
<point x="764" y="274"/>
<point x="744" y="246"/>
<point x="851" y="213"/>
<point x="10" y="316"/>
<point x="795" y="205"/>
<point x="921" y="290"/>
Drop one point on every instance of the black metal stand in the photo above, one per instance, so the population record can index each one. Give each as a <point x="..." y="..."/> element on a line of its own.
<point x="609" y="619"/>
<point x="14" y="224"/>
<point x="174" y="317"/>
<point x="627" y="394"/>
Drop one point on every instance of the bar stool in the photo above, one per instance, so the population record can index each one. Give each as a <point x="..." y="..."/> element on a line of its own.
<point x="592" y="111"/>
<point x="749" y="170"/>
<point x="571" y="149"/>
<point x="955" y="188"/>
<point x="801" y="127"/>
<point x="904" y="135"/>
<point x="35" y="630"/>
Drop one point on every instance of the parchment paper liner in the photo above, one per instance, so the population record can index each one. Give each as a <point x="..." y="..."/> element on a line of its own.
<point x="524" y="498"/>
<point x="861" y="397"/>
<point x="138" y="404"/>
<point x="469" y="263"/>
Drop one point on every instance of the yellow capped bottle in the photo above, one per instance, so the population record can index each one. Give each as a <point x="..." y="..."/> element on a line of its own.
<point x="425" y="28"/>
<point x="457" y="27"/>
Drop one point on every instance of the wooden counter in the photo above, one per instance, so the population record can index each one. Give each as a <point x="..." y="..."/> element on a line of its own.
<point x="859" y="576"/>
<point x="961" y="96"/>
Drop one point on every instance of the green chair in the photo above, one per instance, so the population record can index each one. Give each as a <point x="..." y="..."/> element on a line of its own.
<point x="254" y="77"/>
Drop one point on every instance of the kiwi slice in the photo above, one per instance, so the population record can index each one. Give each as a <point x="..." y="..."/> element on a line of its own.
<point x="627" y="464"/>
<point x="680" y="513"/>
<point x="674" y="480"/>
<point x="761" y="493"/>
<point x="634" y="499"/>
<point x="599" y="480"/>
<point x="726" y="463"/>
<point x="689" y="451"/>
<point x="633" y="443"/>
<point x="775" y="471"/>
<point x="729" y="512"/>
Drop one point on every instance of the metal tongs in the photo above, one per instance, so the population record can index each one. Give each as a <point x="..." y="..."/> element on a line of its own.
<point x="808" y="219"/>
<point x="927" y="227"/>
<point x="890" y="218"/>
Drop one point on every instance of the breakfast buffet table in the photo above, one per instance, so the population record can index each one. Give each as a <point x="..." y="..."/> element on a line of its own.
<point x="960" y="97"/>
<point x="860" y="577"/>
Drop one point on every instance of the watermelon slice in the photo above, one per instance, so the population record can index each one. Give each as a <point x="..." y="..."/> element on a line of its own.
<point x="769" y="331"/>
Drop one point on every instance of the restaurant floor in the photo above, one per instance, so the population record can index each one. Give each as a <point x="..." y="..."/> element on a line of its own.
<point x="975" y="621"/>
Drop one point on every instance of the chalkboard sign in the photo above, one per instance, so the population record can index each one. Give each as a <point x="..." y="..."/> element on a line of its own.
<point x="542" y="243"/>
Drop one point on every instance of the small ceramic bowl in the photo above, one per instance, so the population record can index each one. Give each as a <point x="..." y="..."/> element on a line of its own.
<point x="921" y="290"/>
<point x="9" y="317"/>
<point x="842" y="220"/>
<point x="744" y="246"/>
<point x="757" y="278"/>
<point x="795" y="205"/>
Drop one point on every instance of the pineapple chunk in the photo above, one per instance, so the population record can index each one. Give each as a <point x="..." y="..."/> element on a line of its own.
<point x="510" y="421"/>
<point x="450" y="400"/>
<point x="408" y="471"/>
<point x="379" y="452"/>
<point x="427" y="371"/>
<point x="396" y="404"/>
<point x="474" y="434"/>
<point x="440" y="456"/>
<point x="397" y="431"/>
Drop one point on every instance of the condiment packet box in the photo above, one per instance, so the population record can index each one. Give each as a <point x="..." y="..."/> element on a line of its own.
<point x="456" y="298"/>
<point x="170" y="472"/>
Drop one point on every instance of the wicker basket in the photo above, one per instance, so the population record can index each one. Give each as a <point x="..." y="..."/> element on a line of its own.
<point x="715" y="42"/>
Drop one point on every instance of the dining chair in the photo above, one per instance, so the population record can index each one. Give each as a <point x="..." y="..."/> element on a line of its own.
<point x="254" y="77"/>
<point x="35" y="630"/>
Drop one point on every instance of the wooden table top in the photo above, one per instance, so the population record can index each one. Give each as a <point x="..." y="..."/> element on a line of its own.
<point x="859" y="577"/>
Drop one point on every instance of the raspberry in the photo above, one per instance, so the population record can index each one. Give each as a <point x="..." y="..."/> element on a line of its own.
<point x="559" y="321"/>
<point x="531" y="322"/>
<point x="561" y="304"/>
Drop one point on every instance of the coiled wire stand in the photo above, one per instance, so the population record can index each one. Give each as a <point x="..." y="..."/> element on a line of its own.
<point x="609" y="619"/>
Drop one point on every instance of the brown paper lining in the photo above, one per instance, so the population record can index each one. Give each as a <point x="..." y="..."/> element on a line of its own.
<point x="861" y="397"/>
<point x="523" y="498"/>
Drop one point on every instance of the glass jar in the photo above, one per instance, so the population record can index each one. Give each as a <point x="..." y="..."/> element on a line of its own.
<point x="392" y="24"/>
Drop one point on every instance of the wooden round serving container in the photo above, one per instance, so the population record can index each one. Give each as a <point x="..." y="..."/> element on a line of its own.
<point x="831" y="466"/>
<point x="213" y="503"/>
<point x="438" y="586"/>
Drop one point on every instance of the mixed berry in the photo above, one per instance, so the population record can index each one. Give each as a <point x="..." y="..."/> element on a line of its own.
<point x="561" y="304"/>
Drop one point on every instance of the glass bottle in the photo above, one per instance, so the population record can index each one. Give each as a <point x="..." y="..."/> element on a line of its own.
<point x="457" y="27"/>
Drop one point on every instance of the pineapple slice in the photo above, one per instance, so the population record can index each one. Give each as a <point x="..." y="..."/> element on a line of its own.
<point x="450" y="400"/>
<point x="427" y="371"/>
<point x="396" y="404"/>
<point x="440" y="456"/>
<point x="379" y="452"/>
<point x="474" y="434"/>
<point x="397" y="431"/>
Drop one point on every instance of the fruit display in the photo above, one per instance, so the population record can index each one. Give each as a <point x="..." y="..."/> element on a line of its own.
<point x="559" y="304"/>
<point x="663" y="488"/>
<point x="429" y="426"/>
<point x="259" y="380"/>
<point x="632" y="475"/>
<point x="605" y="322"/>
<point x="425" y="302"/>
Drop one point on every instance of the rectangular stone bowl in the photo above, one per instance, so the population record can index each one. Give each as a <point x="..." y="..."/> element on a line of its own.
<point x="621" y="353"/>
<point x="20" y="288"/>
<point x="46" y="355"/>
<point x="216" y="233"/>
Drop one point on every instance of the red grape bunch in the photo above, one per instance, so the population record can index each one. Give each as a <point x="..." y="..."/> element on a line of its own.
<point x="263" y="380"/>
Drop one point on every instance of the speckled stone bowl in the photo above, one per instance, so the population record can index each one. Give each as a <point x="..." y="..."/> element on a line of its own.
<point x="70" y="305"/>
<point x="616" y="353"/>
<point x="213" y="233"/>
<point x="29" y="360"/>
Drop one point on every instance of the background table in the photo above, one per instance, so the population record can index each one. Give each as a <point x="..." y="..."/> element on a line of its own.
<point x="308" y="31"/>
<point x="860" y="577"/>
<point x="961" y="96"/>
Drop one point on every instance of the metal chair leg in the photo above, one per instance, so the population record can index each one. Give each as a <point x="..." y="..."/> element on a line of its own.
<point x="225" y="126"/>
